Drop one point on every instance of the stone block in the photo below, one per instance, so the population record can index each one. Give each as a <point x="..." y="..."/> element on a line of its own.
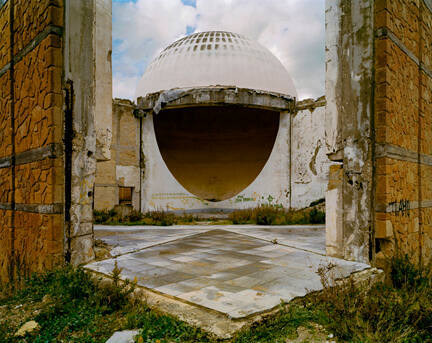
<point x="396" y="96"/>
<point x="82" y="229"/>
<point x="401" y="18"/>
<point x="106" y="171"/>
<point x="106" y="197"/>
<point x="6" y="185"/>
<point x="38" y="98"/>
<point x="335" y="176"/>
<point x="426" y="114"/>
<point x="128" y="157"/>
<point x="426" y="35"/>
<point x="426" y="228"/>
<point x="39" y="182"/>
<point x="6" y="245"/>
<point x="38" y="242"/>
<point x="129" y="129"/>
<point x="5" y="38"/>
<point x="5" y="116"/>
<point x="383" y="229"/>
<point x="396" y="181"/>
<point x="33" y="16"/>
<point x="334" y="223"/>
<point x="82" y="249"/>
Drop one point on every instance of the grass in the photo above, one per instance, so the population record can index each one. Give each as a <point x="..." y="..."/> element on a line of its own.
<point x="158" y="218"/>
<point x="261" y="215"/>
<point x="398" y="312"/>
<point x="72" y="306"/>
<point x="273" y="215"/>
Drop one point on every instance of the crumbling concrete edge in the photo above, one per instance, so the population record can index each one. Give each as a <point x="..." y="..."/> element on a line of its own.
<point x="214" y="96"/>
<point x="216" y="323"/>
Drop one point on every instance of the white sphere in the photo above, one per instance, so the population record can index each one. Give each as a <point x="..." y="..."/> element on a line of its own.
<point x="216" y="58"/>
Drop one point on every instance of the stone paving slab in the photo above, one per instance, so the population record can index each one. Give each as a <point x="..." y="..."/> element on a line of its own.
<point x="221" y="268"/>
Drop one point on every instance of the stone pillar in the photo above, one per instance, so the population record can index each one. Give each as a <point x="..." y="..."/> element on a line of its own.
<point x="349" y="118"/>
<point x="79" y="73"/>
<point x="103" y="74"/>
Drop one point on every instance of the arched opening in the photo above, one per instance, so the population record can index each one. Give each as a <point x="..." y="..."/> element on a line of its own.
<point x="216" y="152"/>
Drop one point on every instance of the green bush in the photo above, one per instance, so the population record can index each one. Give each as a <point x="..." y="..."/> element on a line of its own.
<point x="400" y="312"/>
<point x="275" y="215"/>
<point x="316" y="216"/>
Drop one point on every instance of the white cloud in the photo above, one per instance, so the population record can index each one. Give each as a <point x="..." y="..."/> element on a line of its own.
<point x="292" y="29"/>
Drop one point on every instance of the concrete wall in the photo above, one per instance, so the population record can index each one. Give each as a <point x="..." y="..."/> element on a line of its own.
<point x="162" y="191"/>
<point x="349" y="62"/>
<point x="102" y="36"/>
<point x="123" y="167"/>
<point x="309" y="162"/>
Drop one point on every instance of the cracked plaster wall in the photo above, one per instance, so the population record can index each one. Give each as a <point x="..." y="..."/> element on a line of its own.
<point x="310" y="164"/>
<point x="349" y="73"/>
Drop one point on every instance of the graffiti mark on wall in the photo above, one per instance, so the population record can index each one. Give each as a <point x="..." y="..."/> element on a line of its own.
<point x="241" y="198"/>
<point x="400" y="207"/>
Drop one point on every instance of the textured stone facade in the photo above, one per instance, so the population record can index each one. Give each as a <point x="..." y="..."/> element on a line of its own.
<point x="390" y="172"/>
<point x="403" y="117"/>
<point x="31" y="163"/>
<point x="47" y="131"/>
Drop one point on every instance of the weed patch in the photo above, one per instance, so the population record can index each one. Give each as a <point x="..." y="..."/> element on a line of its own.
<point x="157" y="218"/>
<point x="72" y="306"/>
<point x="274" y="215"/>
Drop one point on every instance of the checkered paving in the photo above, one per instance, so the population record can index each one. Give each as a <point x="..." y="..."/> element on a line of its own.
<point x="226" y="271"/>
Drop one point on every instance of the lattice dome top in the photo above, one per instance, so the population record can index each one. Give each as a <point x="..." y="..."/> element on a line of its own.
<point x="216" y="58"/>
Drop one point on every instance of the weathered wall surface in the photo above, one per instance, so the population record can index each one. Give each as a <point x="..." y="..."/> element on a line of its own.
<point x="82" y="42"/>
<point x="349" y="62"/>
<point x="31" y="118"/>
<point x="102" y="31"/>
<point x="378" y="127"/>
<point x="47" y="135"/>
<point x="124" y="167"/>
<point x="403" y="117"/>
<point x="309" y="162"/>
<point x="272" y="186"/>
<point x="162" y="191"/>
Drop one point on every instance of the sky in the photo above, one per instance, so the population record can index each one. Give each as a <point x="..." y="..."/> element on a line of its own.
<point x="293" y="30"/>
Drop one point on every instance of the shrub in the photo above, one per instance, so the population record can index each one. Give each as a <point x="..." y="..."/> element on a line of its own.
<point x="316" y="216"/>
<point x="401" y="312"/>
<point x="275" y="215"/>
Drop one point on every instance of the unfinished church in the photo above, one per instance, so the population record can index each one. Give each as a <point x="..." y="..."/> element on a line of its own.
<point x="215" y="129"/>
<point x="56" y="122"/>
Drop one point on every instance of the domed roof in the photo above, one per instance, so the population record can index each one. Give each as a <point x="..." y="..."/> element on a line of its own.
<point x="216" y="58"/>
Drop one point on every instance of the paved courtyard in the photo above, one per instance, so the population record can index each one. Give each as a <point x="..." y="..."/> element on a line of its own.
<point x="235" y="270"/>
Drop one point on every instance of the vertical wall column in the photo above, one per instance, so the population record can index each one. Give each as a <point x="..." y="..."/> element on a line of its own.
<point x="403" y="115"/>
<point x="31" y="130"/>
<point x="349" y="126"/>
<point x="79" y="73"/>
<point x="103" y="78"/>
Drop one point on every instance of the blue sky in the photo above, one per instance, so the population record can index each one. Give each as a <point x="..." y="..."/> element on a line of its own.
<point x="294" y="30"/>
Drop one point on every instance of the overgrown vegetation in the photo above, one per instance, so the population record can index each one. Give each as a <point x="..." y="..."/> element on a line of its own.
<point x="261" y="215"/>
<point x="159" y="218"/>
<point x="71" y="306"/>
<point x="398" y="312"/>
<point x="274" y="215"/>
